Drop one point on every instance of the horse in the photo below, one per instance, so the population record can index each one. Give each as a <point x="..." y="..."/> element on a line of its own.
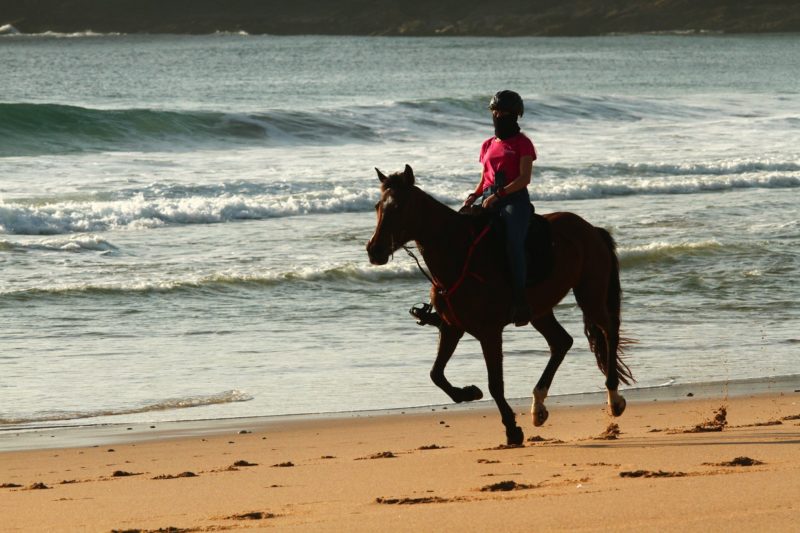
<point x="471" y="292"/>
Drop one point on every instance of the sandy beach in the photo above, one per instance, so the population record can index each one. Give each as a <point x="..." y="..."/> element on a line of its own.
<point x="696" y="463"/>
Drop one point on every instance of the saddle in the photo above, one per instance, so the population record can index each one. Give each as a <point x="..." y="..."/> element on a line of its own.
<point x="538" y="241"/>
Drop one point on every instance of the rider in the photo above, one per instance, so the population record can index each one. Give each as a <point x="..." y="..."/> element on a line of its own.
<point x="506" y="166"/>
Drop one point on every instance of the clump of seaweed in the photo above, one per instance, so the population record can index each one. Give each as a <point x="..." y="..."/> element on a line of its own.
<point x="650" y="473"/>
<point x="506" y="486"/>
<point x="738" y="461"/>
<point x="379" y="455"/>
<point x="612" y="432"/>
<point x="176" y="476"/>
<point x="717" y="423"/>
<point x="255" y="515"/>
<point x="411" y="501"/>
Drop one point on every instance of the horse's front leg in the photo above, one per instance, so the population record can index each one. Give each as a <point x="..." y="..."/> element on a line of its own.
<point x="559" y="342"/>
<point x="448" y="340"/>
<point x="492" y="345"/>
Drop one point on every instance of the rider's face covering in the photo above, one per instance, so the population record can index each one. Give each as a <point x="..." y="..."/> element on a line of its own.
<point x="505" y="125"/>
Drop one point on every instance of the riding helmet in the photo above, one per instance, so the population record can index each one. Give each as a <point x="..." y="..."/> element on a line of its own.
<point x="508" y="101"/>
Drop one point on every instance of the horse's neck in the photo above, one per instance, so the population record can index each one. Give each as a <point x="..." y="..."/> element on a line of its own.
<point x="442" y="237"/>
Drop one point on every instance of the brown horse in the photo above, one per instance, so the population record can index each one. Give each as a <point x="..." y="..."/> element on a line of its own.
<point x="472" y="294"/>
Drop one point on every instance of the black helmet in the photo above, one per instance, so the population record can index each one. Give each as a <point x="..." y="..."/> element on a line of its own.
<point x="507" y="101"/>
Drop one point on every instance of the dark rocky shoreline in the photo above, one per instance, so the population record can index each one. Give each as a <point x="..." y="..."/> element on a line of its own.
<point x="402" y="17"/>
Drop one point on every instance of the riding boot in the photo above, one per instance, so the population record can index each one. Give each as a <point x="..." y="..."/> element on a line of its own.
<point x="520" y="310"/>
<point x="424" y="314"/>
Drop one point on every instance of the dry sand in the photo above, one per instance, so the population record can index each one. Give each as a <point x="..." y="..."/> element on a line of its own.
<point x="439" y="470"/>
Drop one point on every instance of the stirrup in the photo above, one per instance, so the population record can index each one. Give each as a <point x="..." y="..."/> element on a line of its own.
<point x="424" y="314"/>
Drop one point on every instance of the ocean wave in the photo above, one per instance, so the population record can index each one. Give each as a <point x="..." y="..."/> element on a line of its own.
<point x="634" y="256"/>
<point x="34" y="129"/>
<point x="587" y="188"/>
<point x="715" y="168"/>
<point x="240" y="33"/>
<point x="139" y="211"/>
<point x="161" y="204"/>
<point x="561" y="108"/>
<point x="359" y="273"/>
<point x="52" y="128"/>
<point x="73" y="244"/>
<point x="161" y="405"/>
<point x="9" y="30"/>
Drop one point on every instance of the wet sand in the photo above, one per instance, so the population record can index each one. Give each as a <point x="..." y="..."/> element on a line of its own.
<point x="696" y="463"/>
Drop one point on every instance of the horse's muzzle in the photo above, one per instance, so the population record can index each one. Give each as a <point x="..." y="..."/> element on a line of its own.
<point x="378" y="255"/>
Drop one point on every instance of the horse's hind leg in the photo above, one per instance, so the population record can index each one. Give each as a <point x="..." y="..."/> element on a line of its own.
<point x="602" y="331"/>
<point x="560" y="342"/>
<point x="608" y="344"/>
<point x="492" y="346"/>
<point x="448" y="340"/>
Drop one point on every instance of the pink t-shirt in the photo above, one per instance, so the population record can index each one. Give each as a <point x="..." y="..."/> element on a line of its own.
<point x="504" y="155"/>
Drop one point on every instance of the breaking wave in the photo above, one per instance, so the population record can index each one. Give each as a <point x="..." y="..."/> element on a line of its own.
<point x="342" y="273"/>
<point x="161" y="405"/>
<point x="160" y="205"/>
<point x="53" y="128"/>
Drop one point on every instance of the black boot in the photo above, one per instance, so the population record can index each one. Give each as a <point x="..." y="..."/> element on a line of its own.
<point x="424" y="314"/>
<point x="520" y="312"/>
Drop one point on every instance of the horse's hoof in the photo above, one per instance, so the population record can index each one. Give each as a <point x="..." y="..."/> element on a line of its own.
<point x="540" y="414"/>
<point x="514" y="436"/>
<point x="617" y="407"/>
<point x="472" y="393"/>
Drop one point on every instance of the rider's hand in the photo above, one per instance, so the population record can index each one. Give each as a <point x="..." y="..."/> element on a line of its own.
<point x="491" y="199"/>
<point x="470" y="199"/>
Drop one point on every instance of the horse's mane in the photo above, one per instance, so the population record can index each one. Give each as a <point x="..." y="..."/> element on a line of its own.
<point x="475" y="216"/>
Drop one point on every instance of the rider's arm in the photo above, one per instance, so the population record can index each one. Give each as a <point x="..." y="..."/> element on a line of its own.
<point x="524" y="178"/>
<point x="476" y="193"/>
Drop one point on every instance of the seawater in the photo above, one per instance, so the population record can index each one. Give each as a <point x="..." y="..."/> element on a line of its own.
<point x="183" y="219"/>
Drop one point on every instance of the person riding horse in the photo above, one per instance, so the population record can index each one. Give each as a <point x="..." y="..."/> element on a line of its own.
<point x="506" y="167"/>
<point x="470" y="290"/>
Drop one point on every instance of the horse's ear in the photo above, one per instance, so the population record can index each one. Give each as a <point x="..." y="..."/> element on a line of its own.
<point x="409" y="176"/>
<point x="381" y="176"/>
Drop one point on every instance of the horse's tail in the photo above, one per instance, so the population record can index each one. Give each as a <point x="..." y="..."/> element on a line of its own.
<point x="614" y="306"/>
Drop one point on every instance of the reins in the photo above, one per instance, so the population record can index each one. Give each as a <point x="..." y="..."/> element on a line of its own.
<point x="419" y="266"/>
<point x="445" y="292"/>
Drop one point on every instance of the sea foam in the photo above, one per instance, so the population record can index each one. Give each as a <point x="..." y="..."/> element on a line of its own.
<point x="158" y="405"/>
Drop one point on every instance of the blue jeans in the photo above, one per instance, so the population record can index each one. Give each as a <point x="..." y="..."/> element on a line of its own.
<point x="515" y="211"/>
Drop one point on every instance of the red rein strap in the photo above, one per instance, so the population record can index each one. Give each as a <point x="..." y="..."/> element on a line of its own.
<point x="447" y="293"/>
